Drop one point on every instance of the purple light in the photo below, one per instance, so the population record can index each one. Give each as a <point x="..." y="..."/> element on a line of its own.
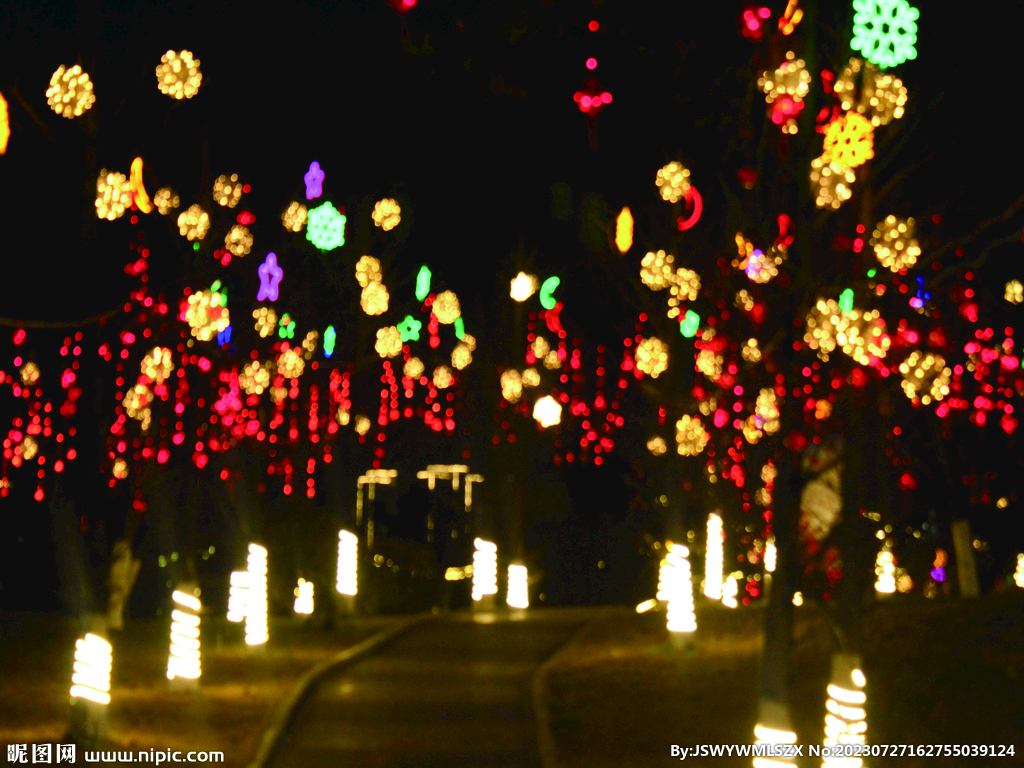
<point x="939" y="573"/>
<point x="314" y="179"/>
<point x="270" y="276"/>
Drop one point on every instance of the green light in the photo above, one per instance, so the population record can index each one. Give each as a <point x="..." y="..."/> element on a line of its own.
<point x="690" y="324"/>
<point x="460" y="328"/>
<point x="329" y="337"/>
<point x="325" y="227"/>
<point x="195" y="246"/>
<point x="546" y="299"/>
<point x="212" y="550"/>
<point x="286" y="328"/>
<point x="846" y="300"/>
<point x="872" y="272"/>
<point x="885" y="31"/>
<point x="410" y="328"/>
<point x="423" y="283"/>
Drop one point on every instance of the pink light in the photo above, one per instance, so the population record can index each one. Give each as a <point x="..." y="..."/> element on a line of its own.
<point x="606" y="97"/>
<point x="593" y="26"/>
<point x="764" y="13"/>
<point x="585" y="102"/>
<point x="591" y="63"/>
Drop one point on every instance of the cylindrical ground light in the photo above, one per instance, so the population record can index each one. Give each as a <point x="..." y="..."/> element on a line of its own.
<point x="845" y="717"/>
<point x="304" y="597"/>
<point x="676" y="588"/>
<point x="518" y="595"/>
<point x="256" y="632"/>
<point x="183" y="663"/>
<point x="713" y="560"/>
<point x="485" y="569"/>
<point x="238" y="595"/>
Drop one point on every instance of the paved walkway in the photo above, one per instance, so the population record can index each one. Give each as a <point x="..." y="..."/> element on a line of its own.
<point x="453" y="692"/>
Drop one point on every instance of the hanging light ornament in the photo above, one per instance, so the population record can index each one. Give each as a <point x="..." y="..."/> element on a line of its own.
<point x="446" y="308"/>
<point x="255" y="377"/>
<point x="389" y="342"/>
<point x="413" y="368"/>
<point x="238" y="240"/>
<point x="790" y="79"/>
<point x="70" y="93"/>
<point x="266" y="321"/>
<point x="894" y="243"/>
<point x="387" y="214"/>
<point x="461" y="356"/>
<point x="885" y="31"/>
<point x="178" y="75"/>
<point x="374" y="299"/>
<point x="652" y="356"/>
<point x="368" y="271"/>
<point x="750" y="351"/>
<point x="194" y="223"/>
<point x="29" y="448"/>
<point x="832" y="182"/>
<point x="849" y="140"/>
<point x="227" y="190"/>
<point x="1014" y="292"/>
<point x="294" y="218"/>
<point x="443" y="377"/>
<point x="325" y="227"/>
<point x="113" y="194"/>
<point x="925" y="376"/>
<point x="673" y="180"/>
<point x="656" y="445"/>
<point x="540" y="347"/>
<point x="656" y="270"/>
<point x="347" y="581"/>
<point x="157" y="365"/>
<point x="885" y="570"/>
<point x="690" y="436"/>
<point x="885" y="97"/>
<point x="552" y="361"/>
<point x="290" y="364"/>
<point x="861" y="335"/>
<point x="624" y="230"/>
<point x="363" y="424"/>
<point x="165" y="199"/>
<point x="309" y="344"/>
<point x="709" y="361"/>
<point x="511" y="385"/>
<point x="207" y="312"/>
<point x="120" y="469"/>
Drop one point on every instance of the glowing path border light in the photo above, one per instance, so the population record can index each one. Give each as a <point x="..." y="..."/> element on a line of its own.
<point x="138" y="189"/>
<point x="845" y="716"/>
<point x="314" y="179"/>
<point x="713" y="559"/>
<point x="256" y="605"/>
<point x="183" y="660"/>
<point x="270" y="278"/>
<point x="675" y="586"/>
<point x="303" y="597"/>
<point x="348" y="563"/>
<point x="518" y="595"/>
<point x="94" y="659"/>
<point x="485" y="569"/>
<point x="692" y="196"/>
<point x="238" y="596"/>
<point x="781" y="739"/>
<point x="423" y="283"/>
<point x="546" y="290"/>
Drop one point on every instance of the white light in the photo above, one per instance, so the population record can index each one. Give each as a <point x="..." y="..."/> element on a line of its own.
<point x="646" y="605"/>
<point x="348" y="563"/>
<point x="523" y="287"/>
<point x="183" y="660"/>
<point x="767" y="735"/>
<point x="1018" y="576"/>
<point x="304" y="597"/>
<point x="885" y="569"/>
<point x="845" y="724"/>
<point x="256" y="605"/>
<point x="675" y="586"/>
<point x="238" y="594"/>
<point x="729" y="591"/>
<point x="547" y="411"/>
<point x="485" y="568"/>
<point x="518" y="590"/>
<point x="770" y="555"/>
<point x="93" y="662"/>
<point x="713" y="560"/>
<point x="798" y="598"/>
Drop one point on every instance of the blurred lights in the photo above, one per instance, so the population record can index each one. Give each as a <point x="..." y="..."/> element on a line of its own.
<point x="485" y="569"/>
<point x="518" y="595"/>
<point x="256" y="603"/>
<point x="690" y="436"/>
<point x="652" y="356"/>
<point x="885" y="570"/>
<point x="1014" y="292"/>
<point x="885" y="31"/>
<point x="165" y="199"/>
<point x="368" y="271"/>
<point x="325" y="227"/>
<point x="185" y="648"/>
<point x="227" y="190"/>
<point x="387" y="214"/>
<point x="113" y="195"/>
<point x="93" y="663"/>
<point x="547" y="411"/>
<point x="675" y="587"/>
<point x="238" y="240"/>
<point x="845" y="715"/>
<point x="673" y="180"/>
<point x="178" y="75"/>
<point x="656" y="445"/>
<point x="194" y="223"/>
<point x="446" y="308"/>
<point x="348" y="563"/>
<point x="294" y="218"/>
<point x="624" y="230"/>
<point x="926" y="376"/>
<point x="238" y="595"/>
<point x="71" y="92"/>
<point x="713" y="560"/>
<point x="832" y="182"/>
<point x="443" y="377"/>
<point x="523" y="286"/>
<point x="849" y="140"/>
<point x="374" y="299"/>
<point x="303" y="597"/>
<point x="894" y="243"/>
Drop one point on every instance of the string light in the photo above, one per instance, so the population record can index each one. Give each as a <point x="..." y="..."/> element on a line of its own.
<point x="387" y="214"/>
<point x="713" y="559"/>
<point x="93" y="663"/>
<point x="861" y="335"/>
<point x="374" y="299"/>
<point x="656" y="445"/>
<point x="1014" y="292"/>
<point x="443" y="377"/>
<point x="120" y="469"/>
<point x="523" y="287"/>
<point x="178" y="75"/>
<point x="256" y="603"/>
<point x="771" y="555"/>
<point x="348" y="563"/>
<point x="518" y="594"/>
<point x="849" y="140"/>
<point x="790" y="79"/>
<point x="547" y="411"/>
<point x="673" y="180"/>
<point x="485" y="569"/>
<point x="845" y="714"/>
<point x="690" y="436"/>
<point x="885" y="31"/>
<point x="389" y="342"/>
<point x="368" y="271"/>
<point x="70" y="93"/>
<point x="926" y="376"/>
<point x="194" y="223"/>
<point x="238" y="595"/>
<point x="894" y="243"/>
<point x="511" y="385"/>
<point x="325" y="227"/>
<point x="446" y="308"/>
<point x="652" y="356"/>
<point x="624" y="230"/>
<point x="303" y="597"/>
<point x="238" y="240"/>
<point x="413" y="368"/>
<point x="165" y="199"/>
<point x="833" y="182"/>
<point x="294" y="218"/>
<point x="675" y="587"/>
<point x="113" y="195"/>
<point x="136" y="403"/>
<point x="227" y="191"/>
<point x="184" y="658"/>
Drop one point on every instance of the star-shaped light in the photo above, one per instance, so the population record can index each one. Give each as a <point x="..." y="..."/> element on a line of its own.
<point x="270" y="277"/>
<point x="314" y="179"/>
<point x="410" y="328"/>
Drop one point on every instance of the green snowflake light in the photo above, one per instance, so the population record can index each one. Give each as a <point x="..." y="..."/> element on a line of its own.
<point x="410" y="328"/>
<point x="885" y="31"/>
<point x="325" y="227"/>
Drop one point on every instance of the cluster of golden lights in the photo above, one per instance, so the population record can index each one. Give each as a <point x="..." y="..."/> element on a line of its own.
<point x="766" y="411"/>
<point x="894" y="243"/>
<point x="674" y="181"/>
<point x="255" y="377"/>
<point x="443" y="377"/>
<point x="531" y="378"/>
<point x="165" y="199"/>
<point x="790" y="79"/>
<point x="178" y="75"/>
<point x="387" y="214"/>
<point x="750" y="352"/>
<point x="861" y="335"/>
<point x="374" y="299"/>
<point x="744" y="300"/>
<point x="368" y="271"/>
<point x="227" y="190"/>
<point x="511" y="385"/>
<point x="157" y="364"/>
<point x="389" y="342"/>
<point x="925" y="376"/>
<point x="266" y="321"/>
<point x="29" y="373"/>
<point x="207" y="314"/>
<point x="691" y="436"/>
<point x="413" y="368"/>
<point x="652" y="356"/>
<point x="194" y="223"/>
<point x="238" y="240"/>
<point x="290" y="364"/>
<point x="657" y="446"/>
<point x="113" y="194"/>
<point x="294" y="218"/>
<point x="446" y="308"/>
<point x="70" y="92"/>
<point x="833" y="182"/>
<point x="136" y="403"/>
<point x="883" y="96"/>
<point x="1014" y="292"/>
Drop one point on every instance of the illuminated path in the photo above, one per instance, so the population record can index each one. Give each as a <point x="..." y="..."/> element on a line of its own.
<point x="454" y="691"/>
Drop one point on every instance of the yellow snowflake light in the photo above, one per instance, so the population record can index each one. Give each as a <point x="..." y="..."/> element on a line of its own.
<point x="165" y="199"/>
<point x="461" y="356"/>
<point x="552" y="361"/>
<point x="690" y="436"/>
<point x="744" y="300"/>
<point x="540" y="347"/>
<point x="70" y="92"/>
<point x="194" y="223"/>
<point x="29" y="448"/>
<point x="831" y="182"/>
<point x="750" y="351"/>
<point x="389" y="342"/>
<point x="656" y="270"/>
<point x="227" y="190"/>
<point x="255" y="377"/>
<point x="624" y="230"/>
<point x="894" y="243"/>
<point x="511" y="385"/>
<point x="531" y="378"/>
<point x="387" y="214"/>
<point x="29" y="373"/>
<point x="363" y="424"/>
<point x="849" y="140"/>
<point x="113" y="194"/>
<point x="925" y="376"/>
<point x="446" y="308"/>
<point x="1014" y="292"/>
<point x="790" y="79"/>
<point x="368" y="271"/>
<point x="652" y="356"/>
<point x="766" y="411"/>
<point x="120" y="469"/>
<point x="294" y="218"/>
<point x="238" y="240"/>
<point x="413" y="367"/>
<point x="290" y="363"/>
<point x="656" y="445"/>
<point x="178" y="75"/>
<point x="443" y="377"/>
<point x="673" y="180"/>
<point x="374" y="299"/>
<point x="266" y="321"/>
<point x="157" y="364"/>
<point x="207" y="313"/>
<point x="885" y="98"/>
<point x="136" y="404"/>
